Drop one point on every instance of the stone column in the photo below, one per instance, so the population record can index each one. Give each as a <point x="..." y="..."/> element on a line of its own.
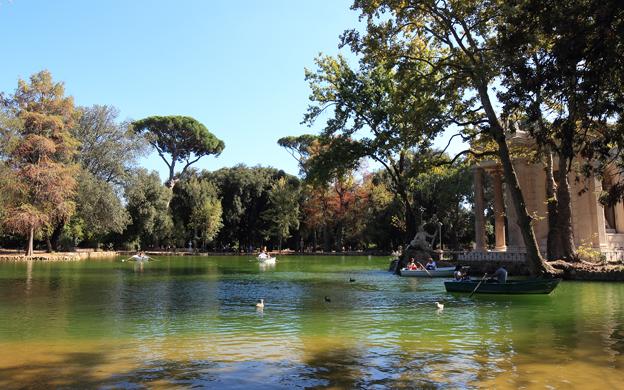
<point x="598" y="235"/>
<point x="499" y="212"/>
<point x="479" y="206"/>
<point x="618" y="209"/>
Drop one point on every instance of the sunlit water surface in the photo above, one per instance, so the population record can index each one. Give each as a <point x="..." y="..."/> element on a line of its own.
<point x="192" y="321"/>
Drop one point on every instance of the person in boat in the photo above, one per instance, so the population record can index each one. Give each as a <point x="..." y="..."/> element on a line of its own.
<point x="264" y="254"/>
<point x="461" y="273"/>
<point x="457" y="274"/>
<point x="412" y="265"/>
<point x="431" y="265"/>
<point x="500" y="276"/>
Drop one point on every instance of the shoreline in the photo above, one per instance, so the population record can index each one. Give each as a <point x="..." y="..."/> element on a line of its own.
<point x="56" y="256"/>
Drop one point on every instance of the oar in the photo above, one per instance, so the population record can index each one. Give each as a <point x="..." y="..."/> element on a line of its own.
<point x="426" y="270"/>
<point x="478" y="284"/>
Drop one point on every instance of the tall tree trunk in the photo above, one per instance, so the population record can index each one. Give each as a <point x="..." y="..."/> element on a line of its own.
<point x="326" y="239"/>
<point x="339" y="236"/>
<point x="553" y="251"/>
<point x="31" y="238"/>
<point x="564" y="209"/>
<point x="410" y="215"/>
<point x="49" y="244"/>
<point x="535" y="262"/>
<point x="55" y="238"/>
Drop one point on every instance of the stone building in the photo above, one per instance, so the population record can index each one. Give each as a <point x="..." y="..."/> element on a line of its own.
<point x="595" y="226"/>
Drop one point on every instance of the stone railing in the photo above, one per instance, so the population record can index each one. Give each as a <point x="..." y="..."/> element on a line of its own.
<point x="614" y="256"/>
<point x="492" y="256"/>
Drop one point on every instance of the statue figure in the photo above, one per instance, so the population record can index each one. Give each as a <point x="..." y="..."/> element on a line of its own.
<point x="420" y="240"/>
<point x="398" y="253"/>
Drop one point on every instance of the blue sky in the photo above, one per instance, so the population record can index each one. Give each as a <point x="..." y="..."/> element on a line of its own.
<point x="236" y="66"/>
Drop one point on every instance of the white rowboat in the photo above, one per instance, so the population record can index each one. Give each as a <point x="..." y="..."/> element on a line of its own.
<point x="267" y="260"/>
<point x="440" y="272"/>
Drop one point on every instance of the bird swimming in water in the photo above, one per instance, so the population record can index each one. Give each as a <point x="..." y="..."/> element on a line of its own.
<point x="439" y="306"/>
<point x="260" y="304"/>
<point x="327" y="299"/>
<point x="351" y="280"/>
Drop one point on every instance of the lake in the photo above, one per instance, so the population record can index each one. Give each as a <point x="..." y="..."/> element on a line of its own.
<point x="192" y="322"/>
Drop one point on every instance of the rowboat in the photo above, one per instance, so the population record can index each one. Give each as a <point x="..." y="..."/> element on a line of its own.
<point x="138" y="258"/>
<point x="528" y="286"/>
<point x="442" y="272"/>
<point x="267" y="260"/>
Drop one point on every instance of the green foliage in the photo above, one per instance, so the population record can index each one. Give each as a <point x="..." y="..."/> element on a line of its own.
<point x="445" y="193"/>
<point x="379" y="112"/>
<point x="99" y="211"/>
<point x="562" y="68"/>
<point x="108" y="149"/>
<point x="148" y="205"/>
<point x="244" y="194"/>
<point x="282" y="215"/>
<point x="182" y="137"/>
<point x="196" y="210"/>
<point x="206" y="219"/>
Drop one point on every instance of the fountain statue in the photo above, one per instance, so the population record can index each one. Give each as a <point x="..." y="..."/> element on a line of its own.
<point x="420" y="249"/>
<point x="420" y="240"/>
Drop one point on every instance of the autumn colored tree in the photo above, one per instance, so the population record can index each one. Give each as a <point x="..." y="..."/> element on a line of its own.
<point x="40" y="163"/>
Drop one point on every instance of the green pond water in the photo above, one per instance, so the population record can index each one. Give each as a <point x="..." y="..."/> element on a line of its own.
<point x="192" y="322"/>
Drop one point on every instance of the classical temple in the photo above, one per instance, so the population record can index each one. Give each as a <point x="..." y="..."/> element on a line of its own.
<point x="595" y="226"/>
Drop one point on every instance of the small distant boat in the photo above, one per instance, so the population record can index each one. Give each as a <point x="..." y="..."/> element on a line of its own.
<point x="266" y="259"/>
<point x="440" y="272"/>
<point x="529" y="286"/>
<point x="138" y="258"/>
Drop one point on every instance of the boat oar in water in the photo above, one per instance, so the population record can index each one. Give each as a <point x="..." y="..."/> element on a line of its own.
<point x="425" y="268"/>
<point x="478" y="285"/>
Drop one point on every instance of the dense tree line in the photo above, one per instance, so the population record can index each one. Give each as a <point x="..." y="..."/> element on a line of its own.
<point x="71" y="178"/>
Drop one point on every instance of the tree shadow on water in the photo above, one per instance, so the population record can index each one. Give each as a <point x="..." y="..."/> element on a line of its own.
<point x="71" y="370"/>
<point x="337" y="368"/>
<point x="98" y="370"/>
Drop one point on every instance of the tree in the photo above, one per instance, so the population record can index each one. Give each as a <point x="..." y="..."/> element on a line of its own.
<point x="196" y="209"/>
<point x="379" y="112"/>
<point x="283" y="212"/>
<point x="444" y="193"/>
<point x="244" y="194"/>
<point x="99" y="211"/>
<point x="182" y="137"/>
<point x="108" y="149"/>
<point x="462" y="36"/>
<point x="43" y="180"/>
<point x="148" y="205"/>
<point x="206" y="220"/>
<point x="562" y="65"/>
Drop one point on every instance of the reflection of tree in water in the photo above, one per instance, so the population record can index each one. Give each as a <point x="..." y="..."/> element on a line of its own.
<point x="337" y="368"/>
